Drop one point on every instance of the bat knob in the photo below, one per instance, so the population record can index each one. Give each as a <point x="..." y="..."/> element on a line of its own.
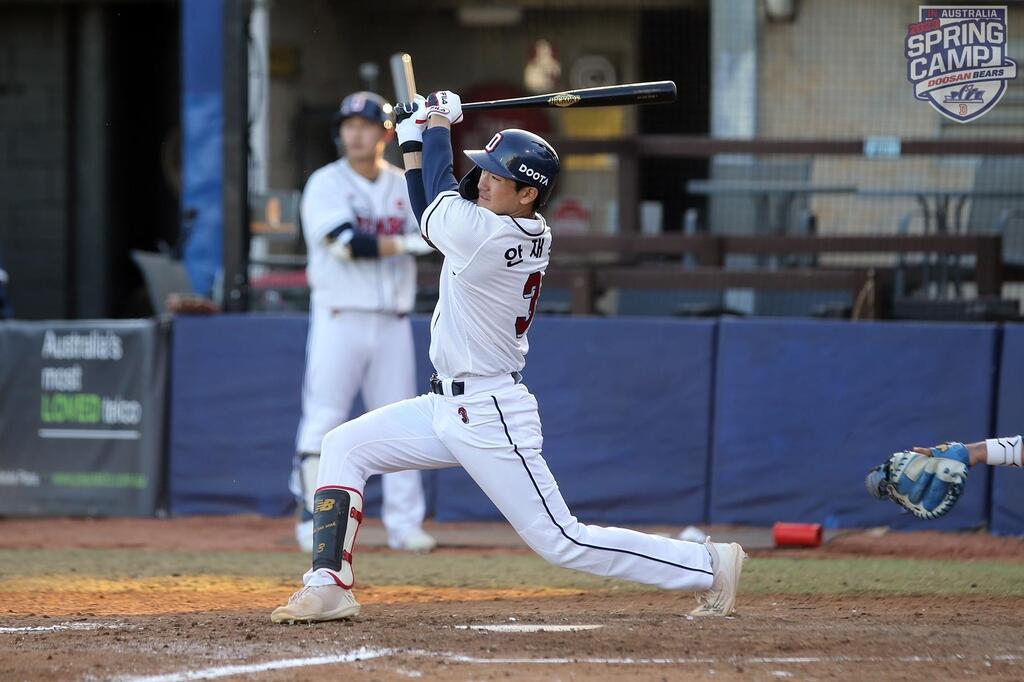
<point x="404" y="110"/>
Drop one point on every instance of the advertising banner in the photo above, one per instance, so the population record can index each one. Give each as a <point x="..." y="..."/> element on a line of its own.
<point x="81" y="417"/>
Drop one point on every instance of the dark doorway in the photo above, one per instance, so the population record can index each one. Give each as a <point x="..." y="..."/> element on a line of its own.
<point x="674" y="46"/>
<point x="144" y="142"/>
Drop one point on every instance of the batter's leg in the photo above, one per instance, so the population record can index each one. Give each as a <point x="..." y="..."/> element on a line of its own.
<point x="397" y="437"/>
<point x="514" y="475"/>
<point x="394" y="438"/>
<point x="391" y="377"/>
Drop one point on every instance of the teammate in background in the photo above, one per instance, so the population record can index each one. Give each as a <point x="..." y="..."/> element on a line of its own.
<point x="479" y="415"/>
<point x="361" y="236"/>
<point x="994" y="451"/>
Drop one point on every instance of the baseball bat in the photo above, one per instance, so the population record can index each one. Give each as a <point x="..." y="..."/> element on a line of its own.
<point x="655" y="92"/>
<point x="402" y="76"/>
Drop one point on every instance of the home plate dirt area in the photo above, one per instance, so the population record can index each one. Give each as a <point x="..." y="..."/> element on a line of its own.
<point x="189" y="599"/>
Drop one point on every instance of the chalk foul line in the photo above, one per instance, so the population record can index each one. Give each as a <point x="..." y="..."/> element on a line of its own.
<point x="367" y="653"/>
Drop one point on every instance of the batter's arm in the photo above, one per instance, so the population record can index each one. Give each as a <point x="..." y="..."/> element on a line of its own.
<point x="437" y="159"/>
<point x="417" y="198"/>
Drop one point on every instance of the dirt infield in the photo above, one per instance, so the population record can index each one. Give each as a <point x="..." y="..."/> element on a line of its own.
<point x="148" y="599"/>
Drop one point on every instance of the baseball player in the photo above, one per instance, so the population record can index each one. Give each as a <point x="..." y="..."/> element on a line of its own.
<point x="479" y="414"/>
<point x="361" y="236"/>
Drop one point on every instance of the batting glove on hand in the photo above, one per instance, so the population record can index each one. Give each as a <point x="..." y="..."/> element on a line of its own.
<point x="445" y="103"/>
<point x="412" y="119"/>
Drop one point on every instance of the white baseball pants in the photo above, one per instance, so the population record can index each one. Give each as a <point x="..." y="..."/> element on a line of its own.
<point x="494" y="433"/>
<point x="351" y="351"/>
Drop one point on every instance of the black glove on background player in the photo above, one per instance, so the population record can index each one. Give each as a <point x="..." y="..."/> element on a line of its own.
<point x="347" y="243"/>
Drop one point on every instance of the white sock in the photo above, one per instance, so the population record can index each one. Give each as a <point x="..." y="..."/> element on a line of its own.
<point x="1004" y="451"/>
<point x="317" y="577"/>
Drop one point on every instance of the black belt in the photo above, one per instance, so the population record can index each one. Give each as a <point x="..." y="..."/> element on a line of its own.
<point x="459" y="387"/>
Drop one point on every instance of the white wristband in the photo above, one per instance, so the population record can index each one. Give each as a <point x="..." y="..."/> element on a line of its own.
<point x="1004" y="451"/>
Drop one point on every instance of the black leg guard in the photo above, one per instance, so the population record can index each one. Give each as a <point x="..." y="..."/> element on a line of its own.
<point x="337" y="513"/>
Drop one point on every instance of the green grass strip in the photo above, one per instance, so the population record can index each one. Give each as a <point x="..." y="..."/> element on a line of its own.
<point x="761" y="575"/>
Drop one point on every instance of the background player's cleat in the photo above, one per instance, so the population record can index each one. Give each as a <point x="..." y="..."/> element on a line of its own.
<point x="317" y="603"/>
<point x="727" y="563"/>
<point x="416" y="541"/>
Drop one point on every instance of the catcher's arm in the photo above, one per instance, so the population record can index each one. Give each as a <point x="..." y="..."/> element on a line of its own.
<point x="976" y="452"/>
<point x="1003" y="451"/>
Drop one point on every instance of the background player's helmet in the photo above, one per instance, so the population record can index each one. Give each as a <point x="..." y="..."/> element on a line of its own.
<point x="368" y="105"/>
<point x="518" y="155"/>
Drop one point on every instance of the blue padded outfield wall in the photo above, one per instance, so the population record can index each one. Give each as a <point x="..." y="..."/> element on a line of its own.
<point x="236" y="383"/>
<point x="803" y="408"/>
<point x="236" y="386"/>
<point x="1008" y="483"/>
<point x="645" y="420"/>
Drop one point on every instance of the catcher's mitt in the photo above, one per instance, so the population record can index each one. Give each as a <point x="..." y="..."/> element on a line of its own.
<point x="926" y="486"/>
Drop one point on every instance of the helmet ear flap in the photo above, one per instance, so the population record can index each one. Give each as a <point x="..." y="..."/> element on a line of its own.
<point x="468" y="185"/>
<point x="542" y="197"/>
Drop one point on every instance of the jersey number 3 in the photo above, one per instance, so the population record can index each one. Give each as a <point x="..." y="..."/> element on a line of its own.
<point x="530" y="291"/>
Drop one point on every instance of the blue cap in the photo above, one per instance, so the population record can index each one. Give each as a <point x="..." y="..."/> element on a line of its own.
<point x="368" y="105"/>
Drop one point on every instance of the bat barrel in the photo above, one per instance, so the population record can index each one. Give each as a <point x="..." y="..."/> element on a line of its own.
<point x="655" y="92"/>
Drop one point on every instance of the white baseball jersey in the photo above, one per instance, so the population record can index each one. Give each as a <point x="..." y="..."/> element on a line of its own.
<point x="490" y="283"/>
<point x="334" y="195"/>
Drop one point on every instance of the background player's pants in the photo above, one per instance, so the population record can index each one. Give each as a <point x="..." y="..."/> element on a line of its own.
<point x="497" y="438"/>
<point x="373" y="352"/>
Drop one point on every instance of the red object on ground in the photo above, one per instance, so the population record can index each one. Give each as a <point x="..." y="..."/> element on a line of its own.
<point x="796" y="534"/>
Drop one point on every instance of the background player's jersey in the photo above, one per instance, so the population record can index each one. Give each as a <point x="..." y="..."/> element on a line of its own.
<point x="490" y="283"/>
<point x="335" y="195"/>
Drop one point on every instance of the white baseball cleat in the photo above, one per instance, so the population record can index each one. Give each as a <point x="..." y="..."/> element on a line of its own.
<point x="727" y="563"/>
<point x="317" y="603"/>
<point x="416" y="541"/>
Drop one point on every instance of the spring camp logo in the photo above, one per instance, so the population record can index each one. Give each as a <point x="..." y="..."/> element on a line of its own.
<point x="956" y="59"/>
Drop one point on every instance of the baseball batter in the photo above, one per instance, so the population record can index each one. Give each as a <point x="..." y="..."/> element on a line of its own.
<point x="480" y="415"/>
<point x="361" y="236"/>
